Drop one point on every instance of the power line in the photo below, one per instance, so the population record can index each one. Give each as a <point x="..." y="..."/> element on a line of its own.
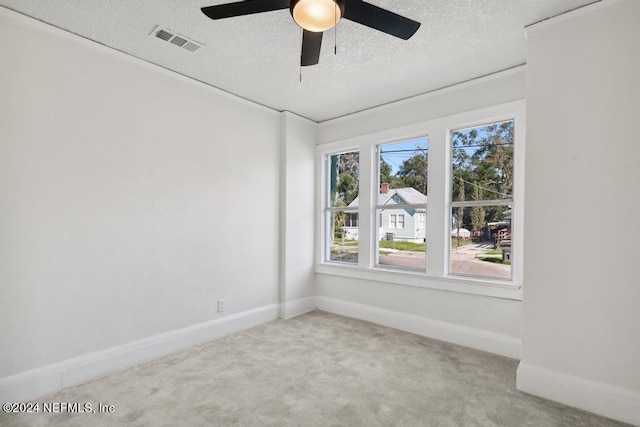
<point x="391" y="163"/>
<point x="483" y="188"/>
<point x="461" y="147"/>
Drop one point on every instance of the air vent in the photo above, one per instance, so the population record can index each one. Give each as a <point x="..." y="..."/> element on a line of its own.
<point x="164" y="35"/>
<point x="175" y="39"/>
<point x="191" y="47"/>
<point x="178" y="41"/>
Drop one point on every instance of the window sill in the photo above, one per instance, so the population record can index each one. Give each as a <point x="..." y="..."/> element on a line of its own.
<point x="474" y="286"/>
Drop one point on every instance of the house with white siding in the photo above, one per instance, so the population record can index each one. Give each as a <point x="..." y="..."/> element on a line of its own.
<point x="394" y="221"/>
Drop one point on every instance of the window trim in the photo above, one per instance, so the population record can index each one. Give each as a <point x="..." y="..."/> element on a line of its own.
<point x="438" y="209"/>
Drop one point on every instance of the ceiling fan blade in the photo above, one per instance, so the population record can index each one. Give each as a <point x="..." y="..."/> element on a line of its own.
<point x="311" y="43"/>
<point x="380" y="19"/>
<point x="247" y="7"/>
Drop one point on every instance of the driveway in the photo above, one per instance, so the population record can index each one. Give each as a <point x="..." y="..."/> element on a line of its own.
<point x="464" y="261"/>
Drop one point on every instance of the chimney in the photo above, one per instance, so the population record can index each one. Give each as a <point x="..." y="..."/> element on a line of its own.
<point x="384" y="188"/>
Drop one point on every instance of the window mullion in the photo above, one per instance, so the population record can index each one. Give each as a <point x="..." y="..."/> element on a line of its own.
<point x="438" y="207"/>
<point x="365" y="210"/>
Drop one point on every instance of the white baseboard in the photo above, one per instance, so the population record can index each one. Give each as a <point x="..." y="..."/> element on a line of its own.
<point x="492" y="342"/>
<point x="614" y="402"/>
<point x="295" y="308"/>
<point x="38" y="382"/>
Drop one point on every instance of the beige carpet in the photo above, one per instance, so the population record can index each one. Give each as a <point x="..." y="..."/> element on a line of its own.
<point x="318" y="369"/>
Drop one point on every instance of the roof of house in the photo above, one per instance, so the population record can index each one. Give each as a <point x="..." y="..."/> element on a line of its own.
<point x="410" y="195"/>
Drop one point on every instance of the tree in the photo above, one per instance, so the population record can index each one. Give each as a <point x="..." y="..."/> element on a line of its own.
<point x="344" y="172"/>
<point x="344" y="178"/>
<point x="386" y="177"/>
<point x="385" y="172"/>
<point x="483" y="158"/>
<point x="460" y="215"/>
<point x="494" y="159"/>
<point x="477" y="212"/>
<point x="414" y="172"/>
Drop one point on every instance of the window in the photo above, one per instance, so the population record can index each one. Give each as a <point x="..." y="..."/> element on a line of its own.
<point x="352" y="220"/>
<point x="441" y="211"/>
<point x="481" y="200"/>
<point x="342" y="230"/>
<point x="396" y="220"/>
<point x="402" y="199"/>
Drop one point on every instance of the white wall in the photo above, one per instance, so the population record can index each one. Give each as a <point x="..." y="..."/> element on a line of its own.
<point x="581" y="316"/>
<point x="297" y="282"/>
<point x="480" y="321"/>
<point x="495" y="89"/>
<point x="131" y="199"/>
<point x="488" y="323"/>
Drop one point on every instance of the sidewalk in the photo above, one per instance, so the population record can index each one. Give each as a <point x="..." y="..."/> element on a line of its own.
<point x="463" y="261"/>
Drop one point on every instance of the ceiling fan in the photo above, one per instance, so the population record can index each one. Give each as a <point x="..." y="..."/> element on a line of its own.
<point x="317" y="16"/>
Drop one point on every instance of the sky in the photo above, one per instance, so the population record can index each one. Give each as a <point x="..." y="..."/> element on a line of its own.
<point x="395" y="153"/>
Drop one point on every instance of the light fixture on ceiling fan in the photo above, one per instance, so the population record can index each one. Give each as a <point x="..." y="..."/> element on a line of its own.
<point x="317" y="15"/>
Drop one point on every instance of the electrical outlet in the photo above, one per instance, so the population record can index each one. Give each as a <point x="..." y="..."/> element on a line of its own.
<point x="220" y="305"/>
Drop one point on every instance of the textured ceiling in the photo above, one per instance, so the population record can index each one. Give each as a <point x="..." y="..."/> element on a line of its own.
<point x="257" y="56"/>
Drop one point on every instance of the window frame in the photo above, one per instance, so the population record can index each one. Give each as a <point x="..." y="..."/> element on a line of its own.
<point x="328" y="210"/>
<point x="436" y="275"/>
<point x="453" y="204"/>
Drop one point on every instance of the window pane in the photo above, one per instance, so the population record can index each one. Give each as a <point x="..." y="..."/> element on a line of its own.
<point x="343" y="236"/>
<point x="403" y="172"/>
<point x="344" y="170"/>
<point x="483" y="163"/>
<point x="351" y="220"/>
<point x="481" y="241"/>
<point x="401" y="238"/>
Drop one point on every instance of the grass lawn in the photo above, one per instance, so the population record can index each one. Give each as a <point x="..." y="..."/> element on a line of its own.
<point x="345" y="242"/>
<point x="408" y="246"/>
<point x="494" y="252"/>
<point x="456" y="243"/>
<point x="402" y="246"/>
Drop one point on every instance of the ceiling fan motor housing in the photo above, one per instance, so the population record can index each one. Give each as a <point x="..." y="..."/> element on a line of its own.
<point x="306" y="19"/>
